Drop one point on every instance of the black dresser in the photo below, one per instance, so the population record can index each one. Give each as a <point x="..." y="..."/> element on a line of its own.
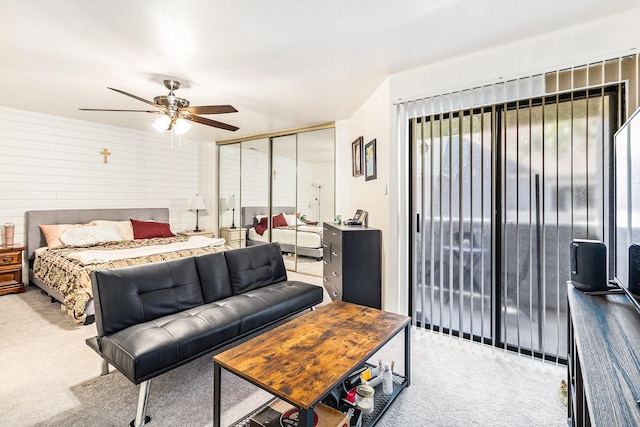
<point x="352" y="269"/>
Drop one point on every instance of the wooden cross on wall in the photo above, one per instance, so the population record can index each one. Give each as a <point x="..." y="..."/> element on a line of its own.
<point x="105" y="153"/>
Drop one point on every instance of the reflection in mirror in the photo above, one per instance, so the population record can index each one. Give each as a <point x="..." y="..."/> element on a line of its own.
<point x="315" y="196"/>
<point x="254" y="190"/>
<point x="284" y="171"/>
<point x="229" y="185"/>
<point x="292" y="175"/>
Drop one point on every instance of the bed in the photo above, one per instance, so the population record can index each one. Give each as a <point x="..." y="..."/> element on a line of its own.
<point x="63" y="272"/>
<point x="300" y="238"/>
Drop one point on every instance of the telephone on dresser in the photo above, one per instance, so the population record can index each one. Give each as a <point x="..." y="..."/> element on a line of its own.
<point x="358" y="219"/>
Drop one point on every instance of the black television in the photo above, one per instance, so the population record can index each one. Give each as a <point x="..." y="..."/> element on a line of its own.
<point x="627" y="205"/>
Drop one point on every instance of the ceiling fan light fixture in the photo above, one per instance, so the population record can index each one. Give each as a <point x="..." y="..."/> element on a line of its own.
<point x="181" y="126"/>
<point x="162" y="123"/>
<point x="172" y="109"/>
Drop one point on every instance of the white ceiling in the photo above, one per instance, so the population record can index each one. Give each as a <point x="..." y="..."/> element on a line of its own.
<point x="282" y="63"/>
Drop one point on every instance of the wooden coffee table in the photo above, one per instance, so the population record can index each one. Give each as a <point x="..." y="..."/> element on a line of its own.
<point x="302" y="360"/>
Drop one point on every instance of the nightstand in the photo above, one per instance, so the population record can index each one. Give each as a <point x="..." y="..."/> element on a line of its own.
<point x="11" y="269"/>
<point x="190" y="233"/>
<point x="235" y="237"/>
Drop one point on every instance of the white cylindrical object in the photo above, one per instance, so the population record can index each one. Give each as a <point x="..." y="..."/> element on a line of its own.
<point x="387" y="380"/>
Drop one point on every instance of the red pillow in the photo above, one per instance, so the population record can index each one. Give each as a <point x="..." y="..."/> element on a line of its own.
<point x="150" y="229"/>
<point x="262" y="226"/>
<point x="279" y="221"/>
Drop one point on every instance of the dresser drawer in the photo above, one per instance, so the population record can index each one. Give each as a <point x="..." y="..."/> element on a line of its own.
<point x="335" y="257"/>
<point x="332" y="235"/>
<point x="11" y="259"/>
<point x="331" y="290"/>
<point x="326" y="251"/>
<point x="335" y="276"/>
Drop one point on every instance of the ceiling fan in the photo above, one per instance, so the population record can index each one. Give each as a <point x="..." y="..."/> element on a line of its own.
<point x="175" y="111"/>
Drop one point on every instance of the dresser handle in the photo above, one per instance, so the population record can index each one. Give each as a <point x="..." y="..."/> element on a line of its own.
<point x="335" y="234"/>
<point x="326" y="280"/>
<point x="325" y="263"/>
<point x="334" y="253"/>
<point x="335" y="294"/>
<point x="334" y="274"/>
<point x="6" y="259"/>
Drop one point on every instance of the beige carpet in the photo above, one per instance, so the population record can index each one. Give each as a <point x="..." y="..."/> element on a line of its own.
<point x="49" y="377"/>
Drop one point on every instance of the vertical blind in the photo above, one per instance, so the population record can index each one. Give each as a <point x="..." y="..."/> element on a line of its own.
<point x="502" y="178"/>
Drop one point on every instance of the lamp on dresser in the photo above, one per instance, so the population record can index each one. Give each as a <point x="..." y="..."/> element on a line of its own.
<point x="196" y="203"/>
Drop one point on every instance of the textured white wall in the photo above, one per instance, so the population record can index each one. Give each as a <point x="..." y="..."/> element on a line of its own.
<point x="573" y="46"/>
<point x="51" y="162"/>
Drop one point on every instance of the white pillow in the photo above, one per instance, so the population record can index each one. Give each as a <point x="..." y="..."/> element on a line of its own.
<point x="125" y="227"/>
<point x="292" y="219"/>
<point x="91" y="234"/>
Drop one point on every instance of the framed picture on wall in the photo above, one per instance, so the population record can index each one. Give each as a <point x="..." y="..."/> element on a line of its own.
<point x="370" y="166"/>
<point x="356" y="156"/>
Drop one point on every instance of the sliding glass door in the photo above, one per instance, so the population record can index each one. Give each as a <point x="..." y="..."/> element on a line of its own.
<point x="452" y="197"/>
<point x="498" y="194"/>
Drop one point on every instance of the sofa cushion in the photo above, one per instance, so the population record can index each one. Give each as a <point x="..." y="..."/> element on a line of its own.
<point x="255" y="266"/>
<point x="151" y="348"/>
<point x="148" y="349"/>
<point x="214" y="276"/>
<point x="128" y="296"/>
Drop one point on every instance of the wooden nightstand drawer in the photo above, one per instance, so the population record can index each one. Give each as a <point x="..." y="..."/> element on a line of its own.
<point x="13" y="276"/>
<point x="11" y="259"/>
<point x="11" y="269"/>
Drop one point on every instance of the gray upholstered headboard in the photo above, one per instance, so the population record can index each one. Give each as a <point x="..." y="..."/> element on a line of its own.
<point x="34" y="219"/>
<point x="249" y="213"/>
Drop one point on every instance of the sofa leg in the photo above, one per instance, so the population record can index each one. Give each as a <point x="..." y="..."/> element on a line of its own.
<point x="143" y="398"/>
<point x="105" y="368"/>
<point x="313" y="308"/>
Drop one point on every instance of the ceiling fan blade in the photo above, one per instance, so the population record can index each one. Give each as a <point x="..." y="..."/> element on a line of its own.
<point x="209" y="122"/>
<point x="210" y="109"/>
<point x="107" y="109"/>
<point x="135" y="97"/>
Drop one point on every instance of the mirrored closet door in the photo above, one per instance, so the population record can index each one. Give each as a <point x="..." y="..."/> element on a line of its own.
<point x="289" y="179"/>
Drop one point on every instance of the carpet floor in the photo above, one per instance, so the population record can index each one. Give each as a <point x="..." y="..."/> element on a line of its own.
<point x="49" y="377"/>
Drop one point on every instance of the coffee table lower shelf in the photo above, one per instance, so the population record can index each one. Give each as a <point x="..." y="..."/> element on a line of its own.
<point x="380" y="405"/>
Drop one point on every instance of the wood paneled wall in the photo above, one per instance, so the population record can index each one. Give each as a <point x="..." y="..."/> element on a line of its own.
<point x="50" y="162"/>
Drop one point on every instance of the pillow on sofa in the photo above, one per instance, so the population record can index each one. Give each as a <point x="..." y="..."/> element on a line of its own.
<point x="52" y="233"/>
<point x="78" y="236"/>
<point x="150" y="229"/>
<point x="125" y="227"/>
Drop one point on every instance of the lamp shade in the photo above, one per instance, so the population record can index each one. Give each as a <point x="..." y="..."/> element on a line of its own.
<point x="162" y="123"/>
<point x="196" y="203"/>
<point x="181" y="126"/>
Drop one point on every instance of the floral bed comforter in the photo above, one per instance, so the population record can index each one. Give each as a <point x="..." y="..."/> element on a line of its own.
<point x="71" y="278"/>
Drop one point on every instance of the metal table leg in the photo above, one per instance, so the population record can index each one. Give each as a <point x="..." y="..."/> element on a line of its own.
<point x="216" y="393"/>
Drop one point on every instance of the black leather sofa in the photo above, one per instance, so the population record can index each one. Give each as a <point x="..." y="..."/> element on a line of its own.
<point x="154" y="317"/>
